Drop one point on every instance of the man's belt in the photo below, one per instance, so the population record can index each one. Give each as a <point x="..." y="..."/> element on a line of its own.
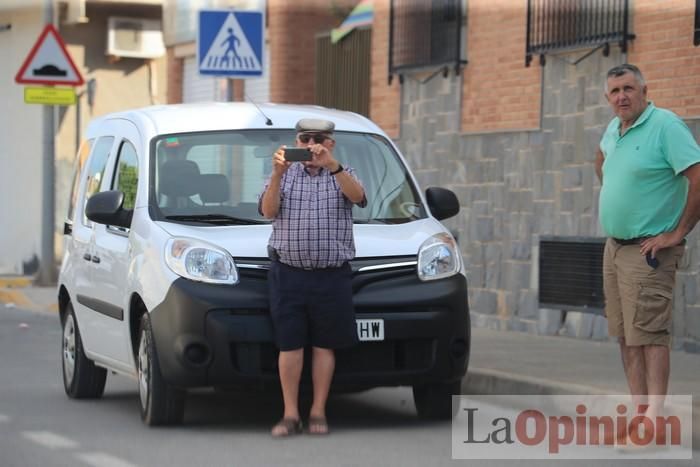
<point x="629" y="241"/>
<point x="636" y="241"/>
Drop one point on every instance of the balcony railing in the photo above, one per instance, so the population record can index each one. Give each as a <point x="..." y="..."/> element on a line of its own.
<point x="424" y="34"/>
<point x="557" y="25"/>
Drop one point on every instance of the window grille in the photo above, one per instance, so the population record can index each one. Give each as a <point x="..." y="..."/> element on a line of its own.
<point x="424" y="34"/>
<point x="696" y="31"/>
<point x="556" y="25"/>
<point x="571" y="273"/>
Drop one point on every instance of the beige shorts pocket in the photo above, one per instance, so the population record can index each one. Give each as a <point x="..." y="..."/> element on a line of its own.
<point x="654" y="308"/>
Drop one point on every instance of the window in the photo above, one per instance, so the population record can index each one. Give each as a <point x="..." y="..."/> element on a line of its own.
<point x="83" y="154"/>
<point x="96" y="170"/>
<point x="126" y="176"/>
<point x="424" y="34"/>
<point x="556" y="25"/>
<point x="224" y="173"/>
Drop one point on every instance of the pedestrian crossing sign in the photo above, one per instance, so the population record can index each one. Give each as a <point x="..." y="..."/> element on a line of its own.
<point x="230" y="43"/>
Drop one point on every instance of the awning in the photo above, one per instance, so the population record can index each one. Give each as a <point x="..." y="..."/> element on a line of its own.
<point x="361" y="15"/>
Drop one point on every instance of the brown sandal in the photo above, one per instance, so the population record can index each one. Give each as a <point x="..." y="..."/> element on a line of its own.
<point x="292" y="426"/>
<point x="320" y="424"/>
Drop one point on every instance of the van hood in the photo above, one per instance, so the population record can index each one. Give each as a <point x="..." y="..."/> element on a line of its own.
<point x="371" y="240"/>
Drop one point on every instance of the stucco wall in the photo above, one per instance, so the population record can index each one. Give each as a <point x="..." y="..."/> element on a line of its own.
<point x="21" y="147"/>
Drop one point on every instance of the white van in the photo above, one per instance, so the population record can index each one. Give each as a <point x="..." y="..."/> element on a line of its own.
<point x="164" y="273"/>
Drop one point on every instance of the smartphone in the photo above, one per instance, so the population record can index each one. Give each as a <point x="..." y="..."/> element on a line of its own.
<point x="653" y="262"/>
<point x="297" y="154"/>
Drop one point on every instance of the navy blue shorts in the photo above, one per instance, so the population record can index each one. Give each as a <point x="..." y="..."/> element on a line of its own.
<point x="312" y="307"/>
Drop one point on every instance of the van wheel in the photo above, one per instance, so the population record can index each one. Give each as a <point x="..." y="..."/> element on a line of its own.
<point x="82" y="379"/>
<point x="434" y="400"/>
<point x="161" y="404"/>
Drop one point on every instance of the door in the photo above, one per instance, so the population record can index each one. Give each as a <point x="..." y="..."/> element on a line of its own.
<point x="75" y="246"/>
<point x="79" y="268"/>
<point x="111" y="251"/>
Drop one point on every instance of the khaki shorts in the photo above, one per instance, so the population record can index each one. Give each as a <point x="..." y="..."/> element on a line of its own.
<point x="639" y="298"/>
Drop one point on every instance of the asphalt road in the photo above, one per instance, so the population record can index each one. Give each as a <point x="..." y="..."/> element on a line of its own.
<point x="40" y="426"/>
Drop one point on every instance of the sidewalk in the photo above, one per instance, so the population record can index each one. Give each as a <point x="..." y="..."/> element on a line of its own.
<point x="501" y="362"/>
<point x="504" y="362"/>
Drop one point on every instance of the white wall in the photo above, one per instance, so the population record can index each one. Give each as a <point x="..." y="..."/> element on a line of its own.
<point x="20" y="146"/>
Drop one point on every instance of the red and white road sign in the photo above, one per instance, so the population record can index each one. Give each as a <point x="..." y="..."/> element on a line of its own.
<point x="49" y="62"/>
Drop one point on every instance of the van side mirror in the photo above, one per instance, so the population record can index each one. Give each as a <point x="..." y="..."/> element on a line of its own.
<point x="442" y="202"/>
<point x="106" y="208"/>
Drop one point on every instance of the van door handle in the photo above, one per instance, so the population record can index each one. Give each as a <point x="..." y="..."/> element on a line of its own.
<point x="95" y="259"/>
<point x="87" y="257"/>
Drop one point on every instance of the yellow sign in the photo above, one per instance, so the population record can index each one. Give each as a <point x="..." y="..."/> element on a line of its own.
<point x="49" y="96"/>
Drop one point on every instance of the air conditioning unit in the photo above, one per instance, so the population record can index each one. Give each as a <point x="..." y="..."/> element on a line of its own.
<point x="134" y="37"/>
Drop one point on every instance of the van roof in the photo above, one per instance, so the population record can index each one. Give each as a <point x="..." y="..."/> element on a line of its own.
<point x="212" y="116"/>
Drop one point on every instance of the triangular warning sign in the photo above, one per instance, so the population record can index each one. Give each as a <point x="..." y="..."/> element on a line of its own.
<point x="230" y="50"/>
<point x="48" y="62"/>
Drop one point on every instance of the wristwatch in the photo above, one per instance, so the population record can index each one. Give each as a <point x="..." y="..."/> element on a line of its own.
<point x="338" y="170"/>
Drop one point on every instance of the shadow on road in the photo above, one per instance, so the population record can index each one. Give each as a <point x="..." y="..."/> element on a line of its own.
<point x="245" y="411"/>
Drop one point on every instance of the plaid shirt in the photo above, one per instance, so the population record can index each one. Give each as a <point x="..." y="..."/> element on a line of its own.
<point x="313" y="228"/>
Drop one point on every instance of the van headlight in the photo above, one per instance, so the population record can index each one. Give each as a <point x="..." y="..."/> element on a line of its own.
<point x="438" y="257"/>
<point x="200" y="261"/>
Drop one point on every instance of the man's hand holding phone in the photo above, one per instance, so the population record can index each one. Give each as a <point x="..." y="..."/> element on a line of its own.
<point x="279" y="164"/>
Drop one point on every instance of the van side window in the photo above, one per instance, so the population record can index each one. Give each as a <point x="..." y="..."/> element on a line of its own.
<point x="96" y="170"/>
<point x="80" y="160"/>
<point x="126" y="176"/>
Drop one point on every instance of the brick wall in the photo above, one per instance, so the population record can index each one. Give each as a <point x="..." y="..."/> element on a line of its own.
<point x="499" y="93"/>
<point x="665" y="53"/>
<point x="292" y="27"/>
<point x="174" y="67"/>
<point x="384" y="98"/>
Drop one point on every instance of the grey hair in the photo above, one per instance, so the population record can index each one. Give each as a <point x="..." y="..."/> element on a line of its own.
<point x="625" y="68"/>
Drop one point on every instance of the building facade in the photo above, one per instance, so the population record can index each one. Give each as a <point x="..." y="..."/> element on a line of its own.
<point x="517" y="143"/>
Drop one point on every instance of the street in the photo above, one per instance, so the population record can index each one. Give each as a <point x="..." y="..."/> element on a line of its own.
<point x="40" y="426"/>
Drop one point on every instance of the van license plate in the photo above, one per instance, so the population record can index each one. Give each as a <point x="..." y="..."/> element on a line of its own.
<point x="370" y="329"/>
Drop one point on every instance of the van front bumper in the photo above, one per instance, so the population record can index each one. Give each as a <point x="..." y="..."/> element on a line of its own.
<point x="215" y="335"/>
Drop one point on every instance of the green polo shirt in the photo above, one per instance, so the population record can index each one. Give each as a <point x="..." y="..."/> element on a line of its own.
<point x="643" y="191"/>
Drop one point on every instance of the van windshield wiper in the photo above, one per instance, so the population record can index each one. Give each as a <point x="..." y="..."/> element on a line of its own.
<point x="393" y="220"/>
<point x="369" y="221"/>
<point x="222" y="219"/>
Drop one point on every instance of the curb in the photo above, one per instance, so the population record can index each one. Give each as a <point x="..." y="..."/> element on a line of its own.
<point x="17" y="291"/>
<point x="14" y="282"/>
<point x="15" y="297"/>
<point x="492" y="382"/>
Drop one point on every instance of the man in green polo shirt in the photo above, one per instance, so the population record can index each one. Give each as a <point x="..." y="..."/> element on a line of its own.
<point x="649" y="201"/>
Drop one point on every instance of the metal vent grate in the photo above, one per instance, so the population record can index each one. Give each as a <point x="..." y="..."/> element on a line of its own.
<point x="571" y="273"/>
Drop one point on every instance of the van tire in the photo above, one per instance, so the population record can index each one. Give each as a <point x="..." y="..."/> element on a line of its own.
<point x="161" y="403"/>
<point x="434" y="400"/>
<point x="82" y="379"/>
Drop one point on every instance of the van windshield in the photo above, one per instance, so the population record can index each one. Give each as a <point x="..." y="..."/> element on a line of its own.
<point x="217" y="177"/>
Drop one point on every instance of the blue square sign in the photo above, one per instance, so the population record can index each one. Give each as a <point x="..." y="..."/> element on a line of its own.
<point x="230" y="43"/>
